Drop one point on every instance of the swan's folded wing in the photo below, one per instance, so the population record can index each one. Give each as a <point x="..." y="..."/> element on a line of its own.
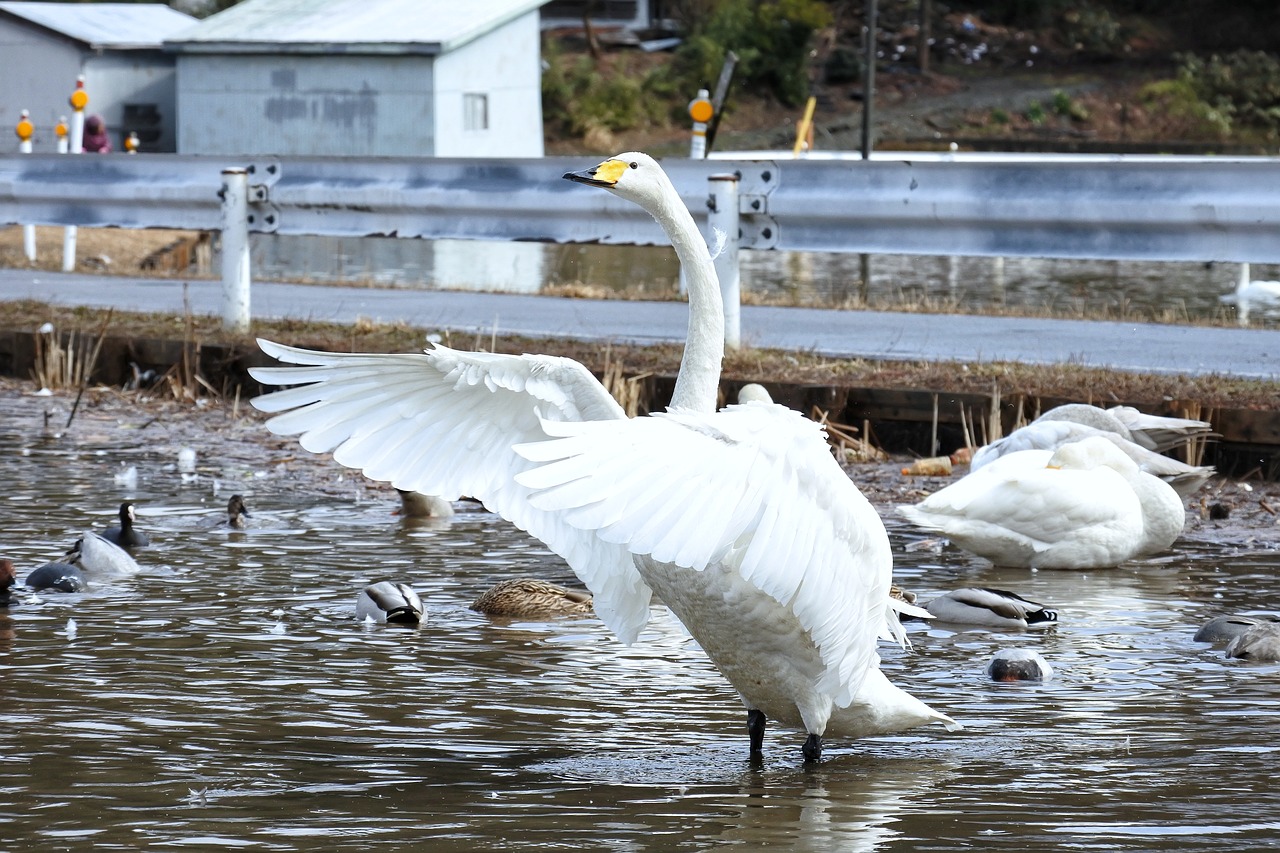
<point x="753" y="487"/>
<point x="1159" y="433"/>
<point x="443" y="423"/>
<point x="1037" y="435"/>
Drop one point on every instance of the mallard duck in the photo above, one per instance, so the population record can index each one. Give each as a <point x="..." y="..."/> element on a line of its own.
<point x="741" y="520"/>
<point x="390" y="602"/>
<point x="1224" y="629"/>
<point x="995" y="608"/>
<point x="1258" y="642"/>
<point x="529" y="598"/>
<point x="1085" y="506"/>
<point x="59" y="576"/>
<point x="1019" y="665"/>
<point x="237" y="512"/>
<point x="125" y="534"/>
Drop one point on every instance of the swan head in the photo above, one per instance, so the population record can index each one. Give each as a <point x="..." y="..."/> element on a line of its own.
<point x="1092" y="452"/>
<point x="632" y="175"/>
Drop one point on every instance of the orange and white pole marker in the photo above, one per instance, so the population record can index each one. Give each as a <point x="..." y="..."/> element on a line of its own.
<point x="131" y="142"/>
<point x="701" y="111"/>
<point x="79" y="100"/>
<point x="60" y="130"/>
<point x="25" y="131"/>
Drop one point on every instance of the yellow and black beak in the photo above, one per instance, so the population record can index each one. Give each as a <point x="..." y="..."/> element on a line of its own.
<point x="605" y="175"/>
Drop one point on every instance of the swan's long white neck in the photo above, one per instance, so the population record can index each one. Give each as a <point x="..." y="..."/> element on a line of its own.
<point x="699" y="380"/>
<point x="1243" y="283"/>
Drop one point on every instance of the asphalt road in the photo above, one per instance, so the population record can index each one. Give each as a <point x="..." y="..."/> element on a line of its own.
<point x="1137" y="347"/>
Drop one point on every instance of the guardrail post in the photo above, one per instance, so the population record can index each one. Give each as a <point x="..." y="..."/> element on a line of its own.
<point x="235" y="249"/>
<point x="25" y="130"/>
<point x="723" y="217"/>
<point x="79" y="100"/>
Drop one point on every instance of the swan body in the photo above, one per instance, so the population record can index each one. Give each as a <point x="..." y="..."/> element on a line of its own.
<point x="1260" y="642"/>
<point x="1224" y="629"/>
<point x="59" y="576"/>
<point x="1074" y="422"/>
<point x="1253" y="293"/>
<point x="993" y="608"/>
<point x="125" y="534"/>
<point x="1019" y="665"/>
<point x="99" y="556"/>
<point x="387" y="602"/>
<point x="740" y="520"/>
<point x="415" y="505"/>
<point x="530" y="598"/>
<point x="1086" y="505"/>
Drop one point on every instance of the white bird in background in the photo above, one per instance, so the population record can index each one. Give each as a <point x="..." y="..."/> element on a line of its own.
<point x="1253" y="293"/>
<point x="1140" y="436"/>
<point x="741" y="520"/>
<point x="1083" y="506"/>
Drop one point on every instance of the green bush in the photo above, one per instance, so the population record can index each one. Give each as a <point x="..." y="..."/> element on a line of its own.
<point x="1179" y="102"/>
<point x="770" y="37"/>
<point x="1244" y="86"/>
<point x="577" y="97"/>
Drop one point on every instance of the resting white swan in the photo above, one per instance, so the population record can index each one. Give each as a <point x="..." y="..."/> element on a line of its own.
<point x="1253" y="293"/>
<point x="993" y="608"/>
<point x="1139" y="436"/>
<point x="1083" y="506"/>
<point x="740" y="520"/>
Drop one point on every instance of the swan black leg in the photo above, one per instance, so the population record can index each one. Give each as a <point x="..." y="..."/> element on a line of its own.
<point x="755" y="728"/>
<point x="813" y="747"/>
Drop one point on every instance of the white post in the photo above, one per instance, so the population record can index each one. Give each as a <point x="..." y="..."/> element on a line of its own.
<point x="723" y="217"/>
<point x="25" y="130"/>
<point x="79" y="100"/>
<point x="235" y="250"/>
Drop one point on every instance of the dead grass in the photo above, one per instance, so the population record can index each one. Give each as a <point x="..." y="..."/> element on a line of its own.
<point x="118" y="251"/>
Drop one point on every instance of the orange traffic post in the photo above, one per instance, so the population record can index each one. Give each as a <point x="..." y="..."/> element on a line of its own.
<point x="701" y="111"/>
<point x="79" y="100"/>
<point x="25" y="131"/>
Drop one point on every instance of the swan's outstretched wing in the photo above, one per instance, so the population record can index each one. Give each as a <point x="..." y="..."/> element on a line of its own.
<point x="753" y="487"/>
<point x="443" y="422"/>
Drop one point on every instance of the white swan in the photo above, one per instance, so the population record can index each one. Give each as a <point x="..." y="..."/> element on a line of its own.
<point x="1253" y="293"/>
<point x="389" y="602"/>
<point x="992" y="608"/>
<point x="1138" y="435"/>
<point x="1086" y="505"/>
<point x="415" y="505"/>
<point x="740" y="520"/>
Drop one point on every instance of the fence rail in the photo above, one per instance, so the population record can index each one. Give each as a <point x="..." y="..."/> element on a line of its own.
<point x="1105" y="207"/>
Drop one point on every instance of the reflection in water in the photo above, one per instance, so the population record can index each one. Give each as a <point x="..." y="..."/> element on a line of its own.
<point x="1170" y="291"/>
<point x="227" y="695"/>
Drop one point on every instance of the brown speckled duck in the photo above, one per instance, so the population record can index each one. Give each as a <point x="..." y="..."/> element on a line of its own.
<point x="529" y="598"/>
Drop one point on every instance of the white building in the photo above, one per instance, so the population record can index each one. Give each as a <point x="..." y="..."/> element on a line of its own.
<point x="44" y="47"/>
<point x="437" y="78"/>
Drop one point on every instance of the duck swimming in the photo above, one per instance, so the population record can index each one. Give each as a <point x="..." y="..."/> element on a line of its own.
<point x="391" y="603"/>
<point x="1019" y="665"/>
<point x="741" y="520"/>
<point x="125" y="534"/>
<point x="237" y="513"/>
<point x="994" y="608"/>
<point x="58" y="576"/>
<point x="530" y="598"/>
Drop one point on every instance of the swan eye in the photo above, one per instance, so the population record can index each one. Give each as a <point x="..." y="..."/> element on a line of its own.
<point x="635" y="165"/>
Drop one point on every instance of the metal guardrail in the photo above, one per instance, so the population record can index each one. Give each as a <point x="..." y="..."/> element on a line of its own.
<point x="1106" y="207"/>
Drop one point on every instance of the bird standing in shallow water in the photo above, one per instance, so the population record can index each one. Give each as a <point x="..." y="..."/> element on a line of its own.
<point x="741" y="520"/>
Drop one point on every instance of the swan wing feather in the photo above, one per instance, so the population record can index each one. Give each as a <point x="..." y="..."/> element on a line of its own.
<point x="753" y="487"/>
<point x="443" y="422"/>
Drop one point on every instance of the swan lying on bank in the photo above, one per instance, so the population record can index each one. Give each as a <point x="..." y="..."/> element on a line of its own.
<point x="1139" y="436"/>
<point x="1085" y="506"/>
<point x="740" y="520"/>
<point x="388" y="602"/>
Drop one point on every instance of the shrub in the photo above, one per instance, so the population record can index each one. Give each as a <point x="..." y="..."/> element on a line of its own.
<point x="1244" y="86"/>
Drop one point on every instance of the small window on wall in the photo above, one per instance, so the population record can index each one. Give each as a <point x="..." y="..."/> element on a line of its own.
<point x="475" y="111"/>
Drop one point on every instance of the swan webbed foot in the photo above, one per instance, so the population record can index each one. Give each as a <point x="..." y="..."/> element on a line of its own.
<point x="755" y="729"/>
<point x="812" y="747"/>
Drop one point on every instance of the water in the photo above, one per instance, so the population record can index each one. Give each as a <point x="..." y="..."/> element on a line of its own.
<point x="1167" y="291"/>
<point x="227" y="698"/>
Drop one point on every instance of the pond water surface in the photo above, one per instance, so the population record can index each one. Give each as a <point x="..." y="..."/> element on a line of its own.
<point x="226" y="697"/>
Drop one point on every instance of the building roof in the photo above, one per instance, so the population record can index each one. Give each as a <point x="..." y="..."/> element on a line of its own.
<point x="348" y="26"/>
<point x="112" y="26"/>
